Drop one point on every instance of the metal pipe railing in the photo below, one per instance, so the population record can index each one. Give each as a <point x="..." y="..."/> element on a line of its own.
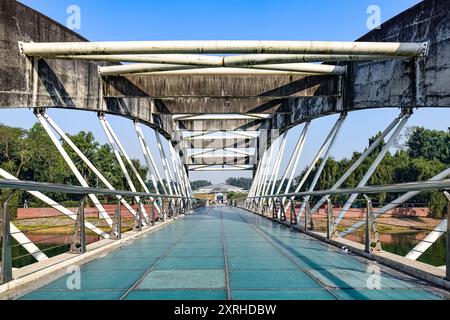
<point x="79" y="243"/>
<point x="393" y="188"/>
<point x="371" y="234"/>
<point x="62" y="188"/>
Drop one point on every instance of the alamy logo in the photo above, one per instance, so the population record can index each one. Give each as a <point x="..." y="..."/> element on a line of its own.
<point x="374" y="280"/>
<point x="73" y="281"/>
<point x="74" y="20"/>
<point x="374" y="19"/>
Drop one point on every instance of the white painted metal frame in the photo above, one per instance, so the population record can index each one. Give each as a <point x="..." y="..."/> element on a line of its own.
<point x="90" y="165"/>
<point x="360" y="160"/>
<point x="119" y="152"/>
<point x="326" y="148"/>
<point x="373" y="167"/>
<point x="104" y="215"/>
<point x="57" y="206"/>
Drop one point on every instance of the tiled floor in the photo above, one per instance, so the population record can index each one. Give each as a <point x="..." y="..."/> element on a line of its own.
<point x="228" y="253"/>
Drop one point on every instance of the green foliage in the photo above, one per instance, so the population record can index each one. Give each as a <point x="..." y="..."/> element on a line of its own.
<point x="430" y="144"/>
<point x="236" y="195"/>
<point x="244" y="183"/>
<point x="31" y="155"/>
<point x="197" y="184"/>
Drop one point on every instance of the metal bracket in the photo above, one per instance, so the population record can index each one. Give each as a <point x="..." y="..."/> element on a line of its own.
<point x="275" y="210"/>
<point x="116" y="230"/>
<point x="152" y="208"/>
<point x="309" y="225"/>
<point x="138" y="221"/>
<point x="5" y="235"/>
<point x="331" y="225"/>
<point x="78" y="245"/>
<point x="282" y="212"/>
<point x="371" y="244"/>
<point x="293" y="214"/>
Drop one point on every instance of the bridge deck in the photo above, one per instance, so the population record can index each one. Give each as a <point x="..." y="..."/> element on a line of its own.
<point x="228" y="253"/>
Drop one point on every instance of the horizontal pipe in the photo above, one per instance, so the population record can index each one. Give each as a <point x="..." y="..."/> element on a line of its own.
<point x="140" y="68"/>
<point x="222" y="61"/>
<point x="302" y="68"/>
<point x="400" y="187"/>
<point x="212" y="46"/>
<point x="160" y="69"/>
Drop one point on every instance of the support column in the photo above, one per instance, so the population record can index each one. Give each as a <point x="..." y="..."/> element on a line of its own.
<point x="374" y="166"/>
<point x="360" y="160"/>
<point x="296" y="154"/>
<point x="90" y="165"/>
<point x="326" y="148"/>
<point x="118" y="152"/>
<point x="74" y="169"/>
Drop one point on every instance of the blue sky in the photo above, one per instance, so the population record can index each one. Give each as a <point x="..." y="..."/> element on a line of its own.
<point x="233" y="19"/>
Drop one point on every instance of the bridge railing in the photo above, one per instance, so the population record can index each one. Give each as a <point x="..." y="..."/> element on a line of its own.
<point x="367" y="221"/>
<point x="38" y="236"/>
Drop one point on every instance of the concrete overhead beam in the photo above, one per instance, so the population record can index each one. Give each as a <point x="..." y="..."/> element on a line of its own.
<point x="220" y="143"/>
<point x="171" y="87"/>
<point x="218" y="161"/>
<point x="238" y="125"/>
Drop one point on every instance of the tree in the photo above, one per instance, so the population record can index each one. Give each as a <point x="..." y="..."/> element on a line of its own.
<point x="430" y="144"/>
<point x="244" y="183"/>
<point x="197" y="184"/>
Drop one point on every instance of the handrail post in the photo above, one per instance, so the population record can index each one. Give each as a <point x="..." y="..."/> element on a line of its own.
<point x="293" y="214"/>
<point x="83" y="227"/>
<point x="116" y="227"/>
<point x="5" y="233"/>
<point x="78" y="245"/>
<point x="274" y="209"/>
<point x="447" y="272"/>
<point x="307" y="214"/>
<point x="138" y="222"/>
<point x="329" y="213"/>
<point x="152" y="207"/>
<point x="367" y="228"/>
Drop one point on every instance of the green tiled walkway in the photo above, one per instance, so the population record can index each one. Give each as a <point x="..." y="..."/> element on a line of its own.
<point x="228" y="253"/>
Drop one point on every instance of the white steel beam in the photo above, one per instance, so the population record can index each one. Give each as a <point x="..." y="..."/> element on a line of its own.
<point x="165" y="163"/>
<point x="373" y="167"/>
<point x="74" y="169"/>
<point x="431" y="238"/>
<point x="90" y="165"/>
<point x="296" y="154"/>
<point x="400" y="200"/>
<point x="117" y="152"/>
<point x="278" y="165"/>
<point x="223" y="61"/>
<point x="147" y="154"/>
<point x="45" y="49"/>
<point x="26" y="243"/>
<point x="149" y="68"/>
<point x="428" y="241"/>
<point x="57" y="206"/>
<point x="326" y="148"/>
<point x="358" y="162"/>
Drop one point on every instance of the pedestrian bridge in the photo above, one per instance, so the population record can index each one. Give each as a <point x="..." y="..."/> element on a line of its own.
<point x="217" y="106"/>
<point x="228" y="253"/>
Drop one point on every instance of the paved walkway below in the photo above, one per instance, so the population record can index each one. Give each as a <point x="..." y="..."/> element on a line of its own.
<point x="229" y="253"/>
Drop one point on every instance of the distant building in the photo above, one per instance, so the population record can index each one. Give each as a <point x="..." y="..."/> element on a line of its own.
<point x="219" y="191"/>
